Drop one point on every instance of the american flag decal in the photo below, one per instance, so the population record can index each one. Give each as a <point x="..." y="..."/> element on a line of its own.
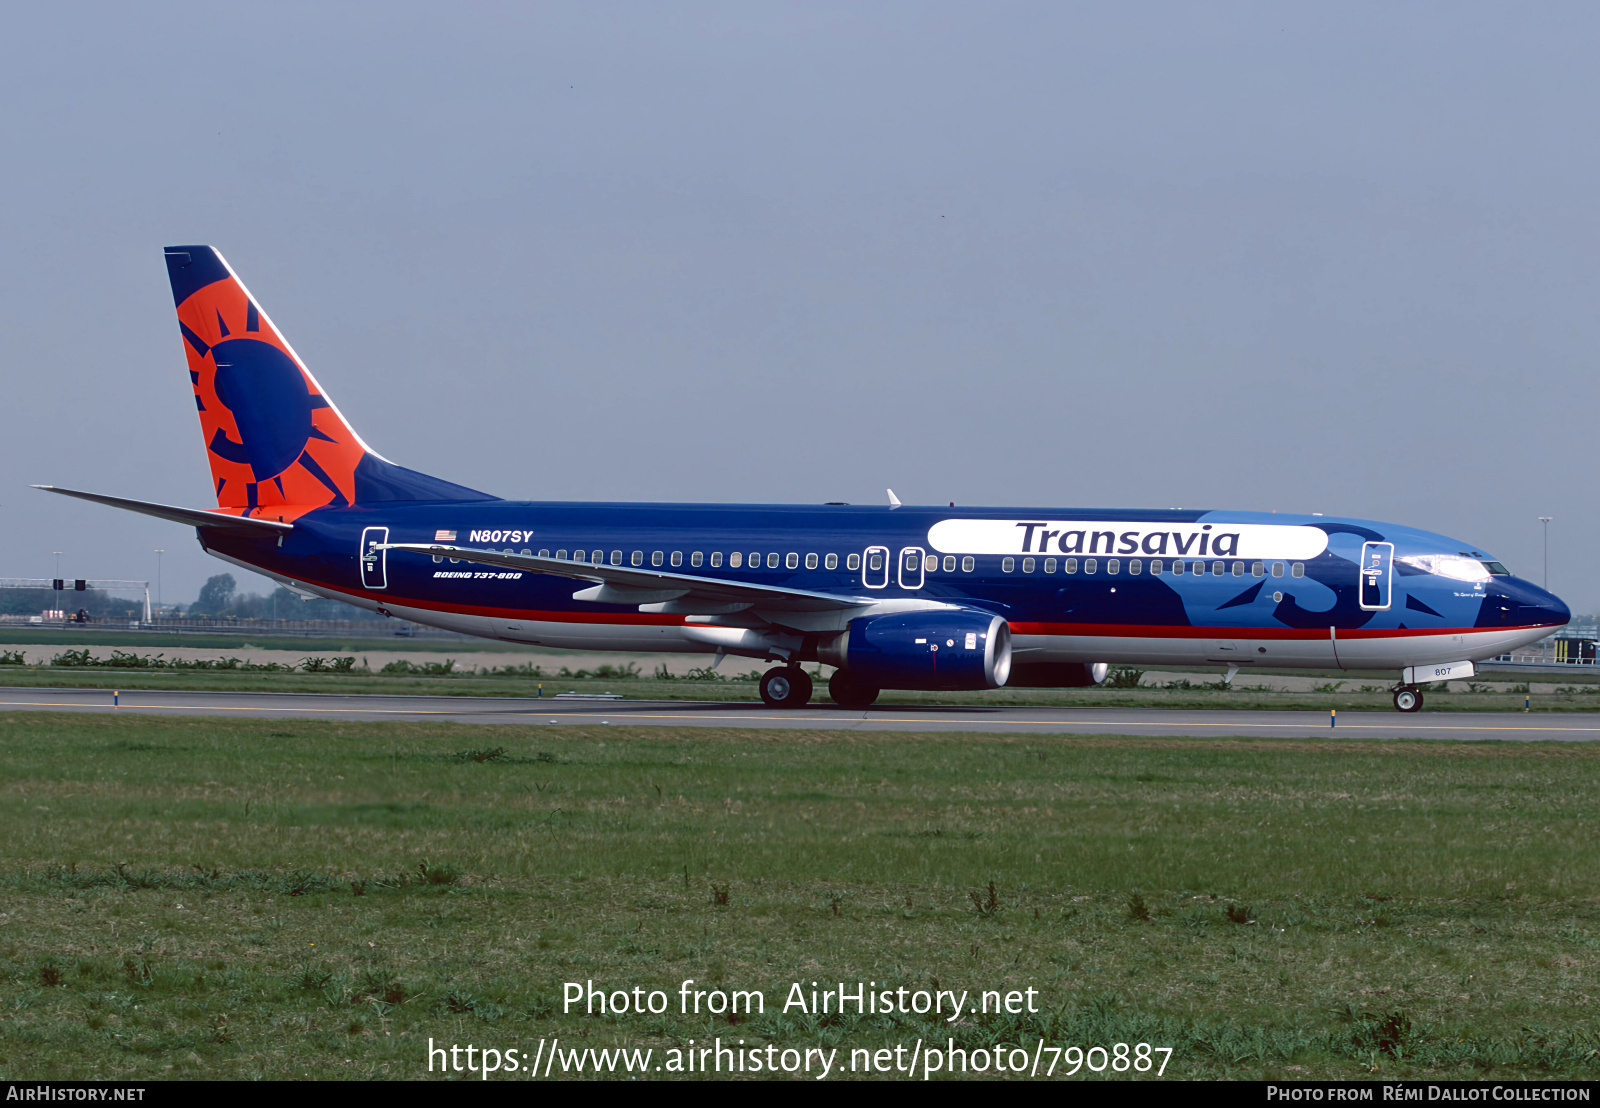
<point x="444" y="536"/>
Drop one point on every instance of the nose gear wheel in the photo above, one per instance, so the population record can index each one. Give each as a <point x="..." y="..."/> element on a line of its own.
<point x="1407" y="698"/>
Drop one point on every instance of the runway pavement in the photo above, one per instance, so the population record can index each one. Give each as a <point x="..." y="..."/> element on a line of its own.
<point x="1562" y="726"/>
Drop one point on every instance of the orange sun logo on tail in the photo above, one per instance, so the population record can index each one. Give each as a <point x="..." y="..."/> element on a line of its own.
<point x="278" y="447"/>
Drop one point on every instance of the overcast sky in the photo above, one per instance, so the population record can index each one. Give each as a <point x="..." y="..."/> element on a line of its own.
<point x="1334" y="258"/>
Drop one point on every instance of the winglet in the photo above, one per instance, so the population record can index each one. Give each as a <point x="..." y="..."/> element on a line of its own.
<point x="894" y="501"/>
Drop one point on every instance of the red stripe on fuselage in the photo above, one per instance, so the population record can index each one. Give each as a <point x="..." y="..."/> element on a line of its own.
<point x="1134" y="631"/>
<point x="1087" y="630"/>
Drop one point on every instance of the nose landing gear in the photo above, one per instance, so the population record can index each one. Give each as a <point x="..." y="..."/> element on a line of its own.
<point x="1407" y="698"/>
<point x="786" y="687"/>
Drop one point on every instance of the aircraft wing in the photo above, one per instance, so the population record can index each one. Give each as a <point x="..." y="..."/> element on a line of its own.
<point x="653" y="588"/>
<point x="194" y="517"/>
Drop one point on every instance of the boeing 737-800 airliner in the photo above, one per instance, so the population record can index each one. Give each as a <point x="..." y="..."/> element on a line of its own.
<point x="893" y="597"/>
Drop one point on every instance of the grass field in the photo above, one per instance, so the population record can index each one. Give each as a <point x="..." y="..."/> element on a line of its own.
<point x="239" y="898"/>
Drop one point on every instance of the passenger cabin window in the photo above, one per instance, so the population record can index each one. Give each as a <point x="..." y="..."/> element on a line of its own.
<point x="791" y="561"/>
<point x="1027" y="565"/>
<point x="755" y="560"/>
<point x="772" y="561"/>
<point x="911" y="562"/>
<point x="655" y="558"/>
<point x="1257" y="569"/>
<point x="561" y="555"/>
<point x="1238" y="569"/>
<point x="968" y="564"/>
<point x="852" y="562"/>
<point x="1297" y="570"/>
<point x="949" y="563"/>
<point x="1113" y="565"/>
<point x="1090" y="565"/>
<point x="530" y="552"/>
<point x="544" y="553"/>
<point x="1135" y="566"/>
<point x="1216" y="569"/>
<point x="876" y="573"/>
<point x="694" y="559"/>
<point x="930" y="563"/>
<point x="677" y="557"/>
<point x="1071" y="565"/>
<point x="716" y="559"/>
<point x="1277" y="569"/>
<point x="811" y="561"/>
<point x="1049" y="565"/>
<point x="1177" y="569"/>
<point x="1155" y="567"/>
<point x="1007" y="565"/>
<point x="735" y="560"/>
<point x="830" y="562"/>
<point x="616" y="557"/>
<point x="638" y="557"/>
<point x="598" y="557"/>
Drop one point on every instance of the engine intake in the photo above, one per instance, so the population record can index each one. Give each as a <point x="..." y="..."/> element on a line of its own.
<point x="960" y="649"/>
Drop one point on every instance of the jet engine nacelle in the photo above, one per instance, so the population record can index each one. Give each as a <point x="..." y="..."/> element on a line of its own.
<point x="951" y="649"/>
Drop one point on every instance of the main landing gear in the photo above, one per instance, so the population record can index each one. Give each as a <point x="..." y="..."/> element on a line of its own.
<point x="847" y="694"/>
<point x="786" y="687"/>
<point x="790" y="687"/>
<point x="1407" y="698"/>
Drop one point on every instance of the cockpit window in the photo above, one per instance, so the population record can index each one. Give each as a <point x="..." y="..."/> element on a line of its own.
<point x="1452" y="566"/>
<point x="1497" y="569"/>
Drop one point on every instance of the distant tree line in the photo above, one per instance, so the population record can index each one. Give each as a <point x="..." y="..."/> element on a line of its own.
<point x="99" y="605"/>
<point x="220" y="598"/>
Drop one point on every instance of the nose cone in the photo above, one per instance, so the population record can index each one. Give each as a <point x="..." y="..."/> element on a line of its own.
<point x="1513" y="602"/>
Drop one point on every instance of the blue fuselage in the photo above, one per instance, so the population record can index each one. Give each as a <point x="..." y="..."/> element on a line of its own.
<point x="1075" y="585"/>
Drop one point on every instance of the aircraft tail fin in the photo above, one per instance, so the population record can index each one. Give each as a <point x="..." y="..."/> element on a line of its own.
<point x="277" y="444"/>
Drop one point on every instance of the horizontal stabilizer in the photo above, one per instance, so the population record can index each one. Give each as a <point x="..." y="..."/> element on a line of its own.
<point x="191" y="516"/>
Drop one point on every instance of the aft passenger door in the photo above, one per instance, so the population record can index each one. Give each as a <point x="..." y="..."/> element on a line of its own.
<point x="1377" y="570"/>
<point x="374" y="563"/>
